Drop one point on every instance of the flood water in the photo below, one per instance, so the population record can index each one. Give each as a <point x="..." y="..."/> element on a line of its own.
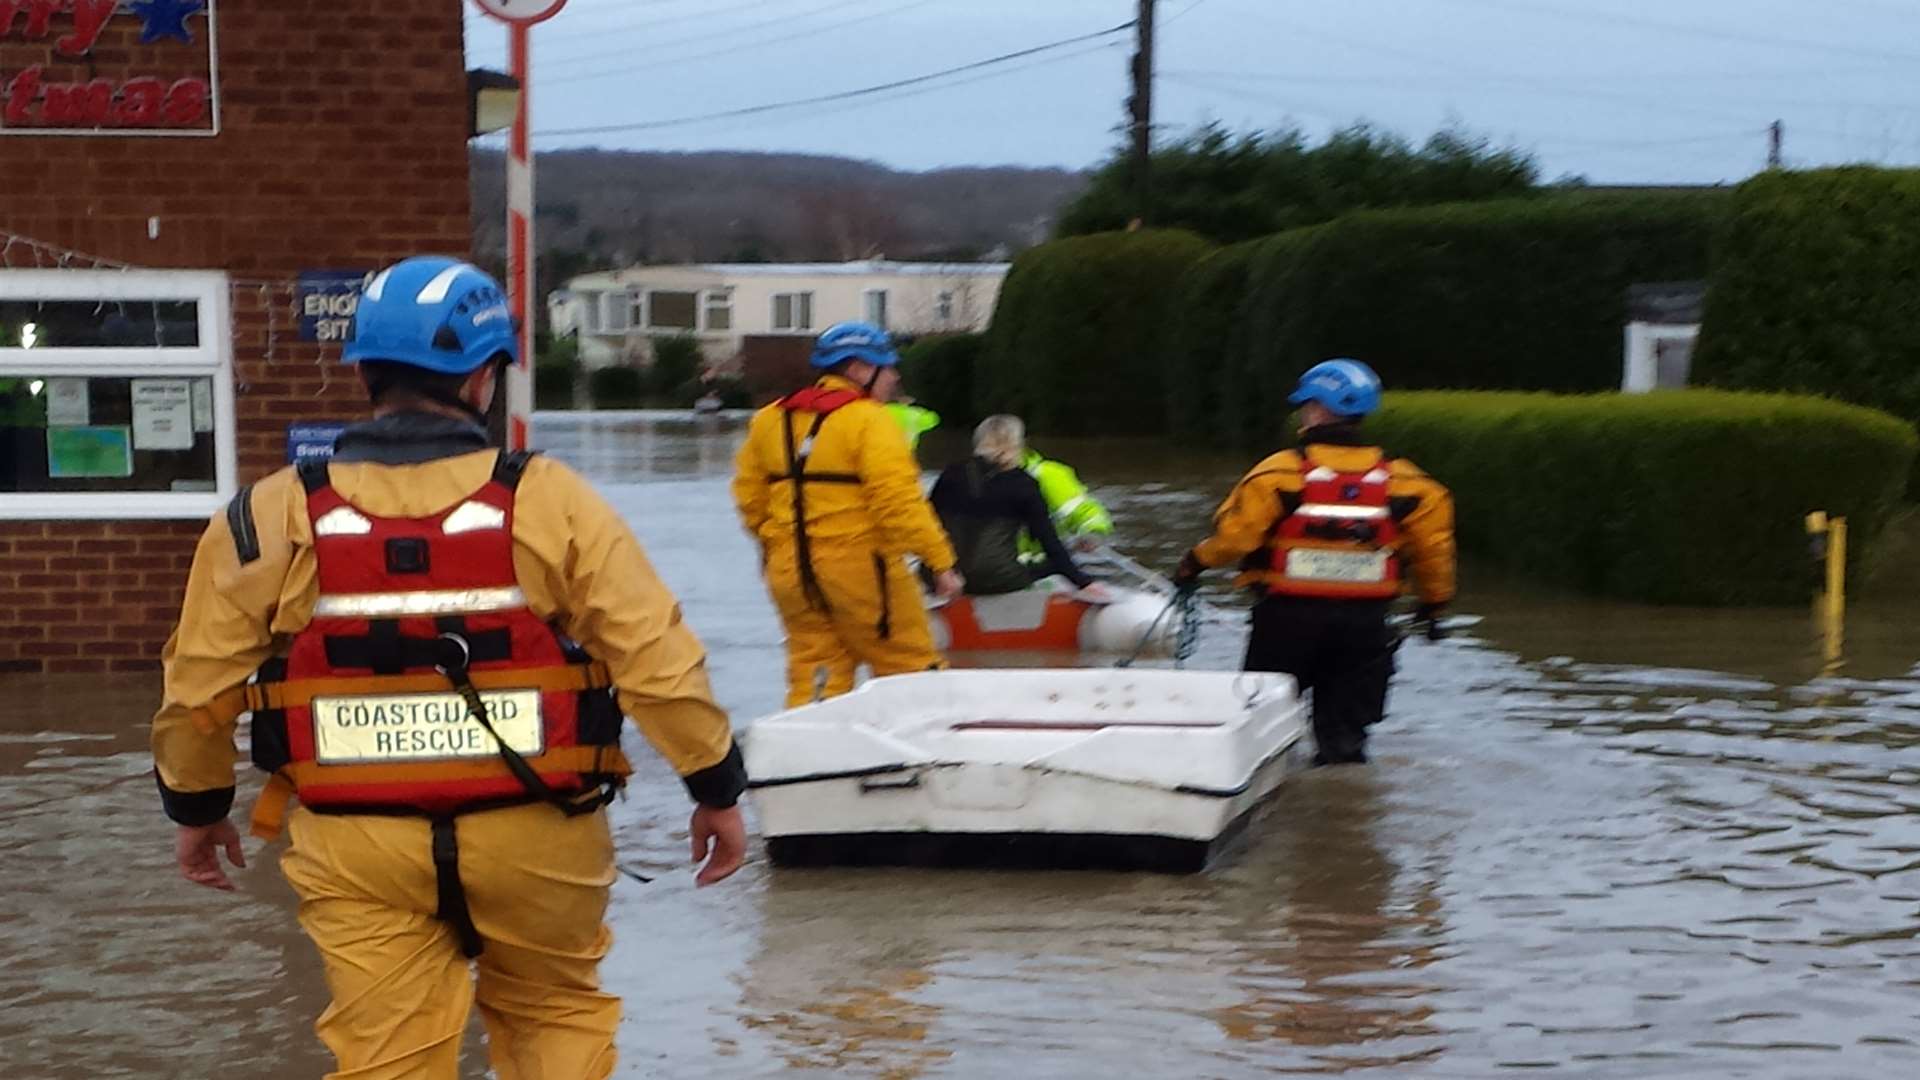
<point x="1598" y="840"/>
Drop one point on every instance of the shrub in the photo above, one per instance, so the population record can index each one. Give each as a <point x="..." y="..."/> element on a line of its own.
<point x="1210" y="323"/>
<point x="1692" y="496"/>
<point x="1239" y="187"/>
<point x="1492" y="296"/>
<point x="616" y="388"/>
<point x="1816" y="289"/>
<point x="556" y="371"/>
<point x="673" y="378"/>
<point x="939" y="373"/>
<point x="1077" y="341"/>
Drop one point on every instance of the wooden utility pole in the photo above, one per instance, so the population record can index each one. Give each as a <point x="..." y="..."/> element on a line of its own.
<point x="1140" y="108"/>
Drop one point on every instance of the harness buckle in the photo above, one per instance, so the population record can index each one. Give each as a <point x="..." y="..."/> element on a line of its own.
<point x="460" y="665"/>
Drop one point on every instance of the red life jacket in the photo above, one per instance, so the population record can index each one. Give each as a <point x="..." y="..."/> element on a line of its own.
<point x="820" y="399"/>
<point x="1342" y="541"/>
<point x="420" y="621"/>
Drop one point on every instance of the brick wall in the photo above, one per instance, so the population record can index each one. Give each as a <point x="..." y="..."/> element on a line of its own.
<point x="342" y="146"/>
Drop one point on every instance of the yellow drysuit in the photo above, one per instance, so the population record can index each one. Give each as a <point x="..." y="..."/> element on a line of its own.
<point x="834" y="542"/>
<point x="536" y="881"/>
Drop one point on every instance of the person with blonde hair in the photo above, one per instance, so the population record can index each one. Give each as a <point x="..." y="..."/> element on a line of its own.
<point x="987" y="501"/>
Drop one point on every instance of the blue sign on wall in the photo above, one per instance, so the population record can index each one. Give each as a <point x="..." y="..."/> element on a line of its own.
<point x="315" y="440"/>
<point x="325" y="301"/>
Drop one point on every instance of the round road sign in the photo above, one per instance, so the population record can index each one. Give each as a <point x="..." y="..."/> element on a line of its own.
<point x="527" y="12"/>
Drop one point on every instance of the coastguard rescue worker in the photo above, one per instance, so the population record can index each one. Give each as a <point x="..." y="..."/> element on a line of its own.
<point x="988" y="502"/>
<point x="1328" y="535"/>
<point x="827" y="486"/>
<point x="445" y="637"/>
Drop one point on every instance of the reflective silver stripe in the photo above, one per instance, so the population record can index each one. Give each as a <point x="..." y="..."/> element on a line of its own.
<point x="342" y="521"/>
<point x="393" y="605"/>
<point x="1335" y="510"/>
<point x="1065" y="510"/>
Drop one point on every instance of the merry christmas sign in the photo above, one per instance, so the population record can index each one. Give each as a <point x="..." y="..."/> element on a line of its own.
<point x="108" y="67"/>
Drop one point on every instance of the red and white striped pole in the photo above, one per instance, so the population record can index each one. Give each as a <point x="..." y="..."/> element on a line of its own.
<point x="520" y="17"/>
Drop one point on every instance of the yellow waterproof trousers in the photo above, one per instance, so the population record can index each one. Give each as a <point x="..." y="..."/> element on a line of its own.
<point x="536" y="884"/>
<point x="874" y="615"/>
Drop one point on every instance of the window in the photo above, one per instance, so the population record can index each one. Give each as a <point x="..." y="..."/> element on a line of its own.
<point x="943" y="307"/>
<point x="719" y="309"/>
<point x="116" y="394"/>
<point x="793" y="311"/>
<point x="590" y="320"/>
<point x="618" y="311"/>
<point x="673" y="310"/>
<point x="876" y="307"/>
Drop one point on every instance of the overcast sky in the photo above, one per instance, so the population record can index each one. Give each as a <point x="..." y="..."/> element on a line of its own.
<point x="1615" y="90"/>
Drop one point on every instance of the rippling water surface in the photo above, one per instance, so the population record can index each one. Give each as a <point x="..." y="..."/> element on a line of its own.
<point x="1599" y="840"/>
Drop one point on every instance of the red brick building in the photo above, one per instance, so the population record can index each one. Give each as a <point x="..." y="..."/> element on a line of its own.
<point x="169" y="169"/>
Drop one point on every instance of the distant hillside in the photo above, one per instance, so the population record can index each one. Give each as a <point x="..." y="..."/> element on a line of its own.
<point x="601" y="208"/>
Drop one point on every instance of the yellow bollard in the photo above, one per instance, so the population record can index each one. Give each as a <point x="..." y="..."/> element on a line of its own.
<point x="1832" y="607"/>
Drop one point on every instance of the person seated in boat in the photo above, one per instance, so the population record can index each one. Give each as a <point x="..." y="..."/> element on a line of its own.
<point x="1077" y="516"/>
<point x="986" y="501"/>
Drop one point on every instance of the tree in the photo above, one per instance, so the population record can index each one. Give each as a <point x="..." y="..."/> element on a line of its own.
<point x="1238" y="187"/>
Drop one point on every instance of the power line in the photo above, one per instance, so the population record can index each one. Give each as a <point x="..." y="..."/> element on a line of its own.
<point x="711" y="35"/>
<point x="1539" y="85"/>
<point x="869" y="102"/>
<point x="843" y="95"/>
<point x="570" y="31"/>
<point x="1694" y="30"/>
<point x="734" y="47"/>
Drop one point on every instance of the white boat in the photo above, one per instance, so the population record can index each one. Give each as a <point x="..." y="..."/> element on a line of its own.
<point x="1081" y="767"/>
<point x="1044" y="619"/>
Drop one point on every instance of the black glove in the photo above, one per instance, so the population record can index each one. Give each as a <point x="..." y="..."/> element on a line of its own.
<point x="1426" y="618"/>
<point x="1187" y="577"/>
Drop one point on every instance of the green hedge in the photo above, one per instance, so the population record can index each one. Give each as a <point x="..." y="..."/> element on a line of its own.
<point x="617" y="388"/>
<point x="1516" y="295"/>
<point x="1816" y="289"/>
<point x="1078" y="333"/>
<point x="553" y="385"/>
<point x="939" y="372"/>
<point x="1211" y="324"/>
<point x="1694" y="496"/>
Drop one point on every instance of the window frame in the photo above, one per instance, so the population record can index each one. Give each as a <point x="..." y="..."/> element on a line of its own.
<point x="800" y="326"/>
<point x="716" y="298"/>
<point x="617" y="300"/>
<point x="697" y="294"/>
<point x="211" y="359"/>
<point x="867" y="311"/>
<point x="590" y="311"/>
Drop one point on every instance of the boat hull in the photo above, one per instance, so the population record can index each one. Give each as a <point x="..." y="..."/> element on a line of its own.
<point x="1039" y="620"/>
<point x="1068" y="823"/>
<point x="1131" y="769"/>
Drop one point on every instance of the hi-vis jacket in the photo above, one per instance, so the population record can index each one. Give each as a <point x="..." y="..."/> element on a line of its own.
<point x="859" y="486"/>
<point x="255" y="586"/>
<point x="1075" y="512"/>
<point x="1248" y="529"/>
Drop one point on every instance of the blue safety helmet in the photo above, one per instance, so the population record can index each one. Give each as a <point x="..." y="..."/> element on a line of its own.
<point x="854" y="341"/>
<point x="433" y="312"/>
<point x="1344" y="387"/>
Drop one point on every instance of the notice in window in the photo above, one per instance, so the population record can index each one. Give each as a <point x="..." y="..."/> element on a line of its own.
<point x="89" y="453"/>
<point x="162" y="414"/>
<point x="67" y="403"/>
